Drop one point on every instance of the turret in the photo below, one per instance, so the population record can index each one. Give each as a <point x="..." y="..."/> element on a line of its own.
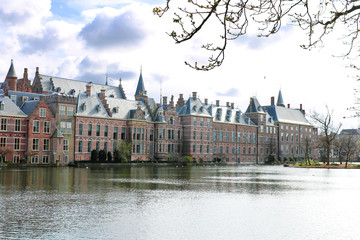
<point x="11" y="78"/>
<point x="140" y="94"/>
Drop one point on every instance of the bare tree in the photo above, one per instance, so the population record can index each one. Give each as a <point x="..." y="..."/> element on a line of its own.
<point x="350" y="146"/>
<point x="234" y="17"/>
<point x="271" y="150"/>
<point x="339" y="147"/>
<point x="328" y="132"/>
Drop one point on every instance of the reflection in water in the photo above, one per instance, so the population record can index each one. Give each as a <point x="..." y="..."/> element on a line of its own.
<point x="233" y="202"/>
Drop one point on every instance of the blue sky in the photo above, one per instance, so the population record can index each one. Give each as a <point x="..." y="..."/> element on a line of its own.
<point x="88" y="39"/>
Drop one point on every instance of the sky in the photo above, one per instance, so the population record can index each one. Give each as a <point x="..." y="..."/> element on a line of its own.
<point x="87" y="39"/>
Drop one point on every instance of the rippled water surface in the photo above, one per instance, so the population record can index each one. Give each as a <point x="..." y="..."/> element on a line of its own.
<point x="231" y="202"/>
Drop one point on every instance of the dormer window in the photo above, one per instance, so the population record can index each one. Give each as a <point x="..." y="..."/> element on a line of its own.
<point x="194" y="108"/>
<point x="98" y="107"/>
<point x="2" y="105"/>
<point x="13" y="98"/>
<point x="83" y="106"/>
<point x="72" y="92"/>
<point x="111" y="96"/>
<point x="116" y="109"/>
<point x="201" y="109"/>
<point x="58" y="89"/>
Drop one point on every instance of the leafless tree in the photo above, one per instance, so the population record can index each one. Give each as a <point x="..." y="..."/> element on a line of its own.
<point x="350" y="146"/>
<point x="234" y="17"/>
<point x="339" y="147"/>
<point x="328" y="132"/>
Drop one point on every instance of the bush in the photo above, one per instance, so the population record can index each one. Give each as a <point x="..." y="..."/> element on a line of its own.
<point x="94" y="155"/>
<point x="334" y="164"/>
<point x="102" y="155"/>
<point x="187" y="159"/>
<point x="109" y="157"/>
<point x="117" y="157"/>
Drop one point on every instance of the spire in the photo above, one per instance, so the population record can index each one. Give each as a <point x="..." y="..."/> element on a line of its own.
<point x="11" y="72"/>
<point x="106" y="82"/>
<point x="122" y="92"/>
<point x="280" y="101"/>
<point x="140" y="90"/>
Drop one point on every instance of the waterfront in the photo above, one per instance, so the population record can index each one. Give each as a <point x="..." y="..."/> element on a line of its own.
<point x="227" y="202"/>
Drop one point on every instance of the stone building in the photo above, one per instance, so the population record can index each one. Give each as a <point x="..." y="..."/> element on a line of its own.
<point x="63" y="120"/>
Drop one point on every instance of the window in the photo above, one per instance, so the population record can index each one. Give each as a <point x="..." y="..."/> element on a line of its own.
<point x="214" y="149"/>
<point x="97" y="130"/>
<point x="105" y="146"/>
<point x="179" y="134"/>
<point x="80" y="146"/>
<point x="215" y="136"/>
<point x="106" y="130"/>
<point x="201" y="135"/>
<point x="35" y="146"/>
<point x="46" y="127"/>
<point x="194" y="148"/>
<point x="66" y="144"/>
<point x="62" y="110"/>
<point x="194" y="135"/>
<point x="16" y="159"/>
<point x="2" y="106"/>
<point x="80" y="129"/>
<point x="3" y="124"/>
<point x="13" y="98"/>
<point x="208" y="149"/>
<point x="123" y="133"/>
<point x="45" y="159"/>
<point x="46" y="144"/>
<point x="17" y="144"/>
<point x="89" y="129"/>
<point x="221" y="136"/>
<point x="201" y="121"/>
<point x="208" y="136"/>
<point x="194" y="121"/>
<point x="97" y="146"/>
<point x="17" y="125"/>
<point x="36" y="126"/>
<point x="65" y="127"/>
<point x="34" y="159"/>
<point x="232" y="136"/>
<point x="115" y="133"/>
<point x="3" y="142"/>
<point x="42" y="112"/>
<point x="151" y="135"/>
<point x="70" y="111"/>
<point x="227" y="136"/>
<point x="89" y="146"/>
<point x="201" y="149"/>
<point x="208" y="122"/>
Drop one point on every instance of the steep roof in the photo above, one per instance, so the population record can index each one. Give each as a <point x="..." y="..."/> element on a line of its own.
<point x="254" y="106"/>
<point x="90" y="106"/>
<point x="280" y="100"/>
<point x="287" y="115"/>
<point x="121" y="108"/>
<point x="19" y="95"/>
<point x="11" y="72"/>
<point x="74" y="87"/>
<point x="10" y="107"/>
<point x="29" y="106"/>
<point x="140" y="89"/>
<point x="222" y="114"/>
<point x="57" y="134"/>
<point x="194" y="106"/>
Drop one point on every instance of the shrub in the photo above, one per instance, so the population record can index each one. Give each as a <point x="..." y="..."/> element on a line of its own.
<point x="117" y="157"/>
<point x="334" y="164"/>
<point x="94" y="155"/>
<point x="102" y="155"/>
<point x="109" y="156"/>
<point x="187" y="159"/>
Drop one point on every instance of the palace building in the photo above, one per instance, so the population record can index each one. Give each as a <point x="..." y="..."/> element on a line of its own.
<point x="56" y="120"/>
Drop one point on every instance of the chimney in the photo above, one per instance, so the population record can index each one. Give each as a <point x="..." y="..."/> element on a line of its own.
<point x="300" y="106"/>
<point x="232" y="105"/>
<point x="172" y="101"/>
<point x="194" y="95"/>
<point x="289" y="105"/>
<point x="37" y="69"/>
<point x="25" y="73"/>
<point x="272" y="101"/>
<point x="164" y="100"/>
<point x="217" y="103"/>
<point x="206" y="101"/>
<point x="88" y="89"/>
<point x="227" y="104"/>
<point x="180" y="101"/>
<point x="102" y="95"/>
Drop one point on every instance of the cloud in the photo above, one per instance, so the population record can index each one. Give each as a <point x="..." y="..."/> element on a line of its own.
<point x="105" y="31"/>
<point x="232" y="92"/>
<point x="47" y="41"/>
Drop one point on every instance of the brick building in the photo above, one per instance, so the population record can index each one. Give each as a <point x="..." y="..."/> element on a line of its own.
<point x="63" y="120"/>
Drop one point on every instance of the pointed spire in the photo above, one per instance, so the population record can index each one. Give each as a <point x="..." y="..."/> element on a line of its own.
<point x="122" y="92"/>
<point x="140" y="90"/>
<point x="106" y="82"/>
<point x="11" y="72"/>
<point x="280" y="101"/>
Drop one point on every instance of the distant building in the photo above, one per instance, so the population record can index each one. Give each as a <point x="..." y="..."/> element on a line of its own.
<point x="63" y="120"/>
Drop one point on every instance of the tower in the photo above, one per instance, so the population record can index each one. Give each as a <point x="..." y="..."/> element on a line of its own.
<point x="280" y="101"/>
<point x="140" y="94"/>
<point x="11" y="78"/>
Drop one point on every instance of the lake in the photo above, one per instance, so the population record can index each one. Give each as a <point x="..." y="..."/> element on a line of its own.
<point x="163" y="202"/>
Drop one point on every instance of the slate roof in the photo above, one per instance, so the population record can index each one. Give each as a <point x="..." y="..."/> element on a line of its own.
<point x="287" y="115"/>
<point x="29" y="106"/>
<point x="74" y="87"/>
<point x="350" y="132"/>
<point x="19" y="96"/>
<point x="57" y="134"/>
<point x="160" y="117"/>
<point x="280" y="100"/>
<point x="223" y="114"/>
<point x="254" y="106"/>
<point x="90" y="106"/>
<point x="10" y="108"/>
<point x="11" y="72"/>
<point x="140" y="86"/>
<point x="194" y="107"/>
<point x="124" y="108"/>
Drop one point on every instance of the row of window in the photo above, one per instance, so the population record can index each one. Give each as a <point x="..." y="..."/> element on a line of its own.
<point x="201" y="122"/>
<point x="286" y="138"/>
<point x="291" y="150"/>
<point x="35" y="144"/>
<point x="3" y="142"/>
<point x="4" y="125"/>
<point x="66" y="110"/>
<point x="36" y="126"/>
<point x="271" y="130"/>
<point x="221" y="150"/>
<point x="297" y="128"/>
<point x="201" y="136"/>
<point x="251" y="138"/>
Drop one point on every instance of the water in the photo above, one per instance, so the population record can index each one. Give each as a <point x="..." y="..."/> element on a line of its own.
<point x="231" y="202"/>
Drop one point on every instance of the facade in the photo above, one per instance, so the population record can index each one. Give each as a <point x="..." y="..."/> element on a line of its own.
<point x="63" y="120"/>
